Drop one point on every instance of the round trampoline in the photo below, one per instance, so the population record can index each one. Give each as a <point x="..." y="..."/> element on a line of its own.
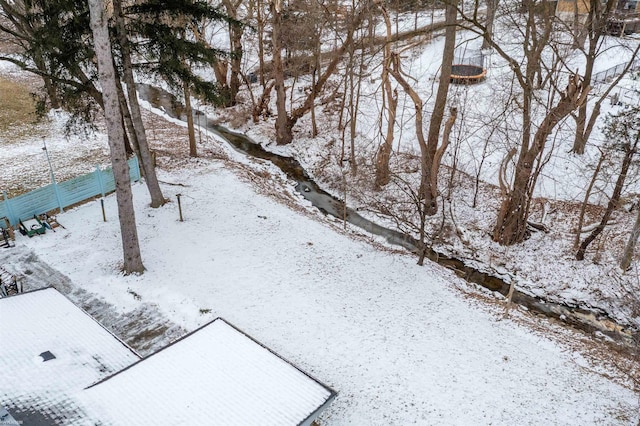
<point x="467" y="74"/>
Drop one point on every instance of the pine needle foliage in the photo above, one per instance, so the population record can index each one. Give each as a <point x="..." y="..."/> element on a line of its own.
<point x="164" y="31"/>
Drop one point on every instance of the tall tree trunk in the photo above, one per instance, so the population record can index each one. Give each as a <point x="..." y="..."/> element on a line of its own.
<point x="284" y="134"/>
<point x="390" y="100"/>
<point x="128" y="231"/>
<point x="492" y="7"/>
<point x="149" y="170"/>
<point x="236" y="51"/>
<point x="353" y="120"/>
<point x="428" y="182"/>
<point x="49" y="86"/>
<point x="317" y="52"/>
<point x="446" y="139"/>
<point x="130" y="132"/>
<point x="314" y="123"/>
<point x="193" y="148"/>
<point x="260" y="30"/>
<point x="580" y="140"/>
<point x="383" y="172"/>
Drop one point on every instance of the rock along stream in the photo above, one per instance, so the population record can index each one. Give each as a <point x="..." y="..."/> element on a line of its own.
<point x="589" y="320"/>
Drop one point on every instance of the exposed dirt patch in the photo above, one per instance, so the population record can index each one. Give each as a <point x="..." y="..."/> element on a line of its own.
<point x="17" y="114"/>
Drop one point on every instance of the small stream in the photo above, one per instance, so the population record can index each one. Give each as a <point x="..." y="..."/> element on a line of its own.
<point x="591" y="321"/>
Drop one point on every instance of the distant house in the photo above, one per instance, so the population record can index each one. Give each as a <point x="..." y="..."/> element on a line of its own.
<point x="625" y="19"/>
<point x="566" y="10"/>
<point x="60" y="367"/>
<point x="216" y="375"/>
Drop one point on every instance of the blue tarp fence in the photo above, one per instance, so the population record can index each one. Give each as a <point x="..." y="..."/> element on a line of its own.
<point x="63" y="194"/>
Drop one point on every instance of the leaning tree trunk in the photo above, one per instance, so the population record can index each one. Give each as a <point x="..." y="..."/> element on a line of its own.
<point x="611" y="205"/>
<point x="126" y="117"/>
<point x="157" y="199"/>
<point x="106" y="74"/>
<point x="585" y="202"/>
<point x="383" y="171"/>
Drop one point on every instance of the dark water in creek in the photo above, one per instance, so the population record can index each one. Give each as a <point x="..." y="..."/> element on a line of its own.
<point x="584" y="319"/>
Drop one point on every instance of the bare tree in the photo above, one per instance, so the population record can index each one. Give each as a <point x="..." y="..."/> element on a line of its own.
<point x="585" y="202"/>
<point x="594" y="29"/>
<point x="258" y="8"/>
<point x="532" y="24"/>
<point x="236" y="31"/>
<point x="431" y="150"/>
<point x="430" y="157"/>
<point x="390" y="104"/>
<point x="107" y="77"/>
<point x="285" y="121"/>
<point x="624" y="127"/>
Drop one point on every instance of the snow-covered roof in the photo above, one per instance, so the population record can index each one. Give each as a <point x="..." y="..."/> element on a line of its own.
<point x="215" y="375"/>
<point x="49" y="351"/>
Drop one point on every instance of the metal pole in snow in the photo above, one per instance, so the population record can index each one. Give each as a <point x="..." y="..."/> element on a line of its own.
<point x="179" y="206"/>
<point x="53" y="177"/>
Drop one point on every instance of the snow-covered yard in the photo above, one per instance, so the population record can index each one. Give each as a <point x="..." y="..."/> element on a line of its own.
<point x="400" y="343"/>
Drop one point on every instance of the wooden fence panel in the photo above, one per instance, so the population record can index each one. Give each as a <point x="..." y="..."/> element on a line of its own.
<point x="64" y="194"/>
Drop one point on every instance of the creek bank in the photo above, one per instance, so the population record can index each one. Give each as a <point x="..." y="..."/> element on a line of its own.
<point x="583" y="318"/>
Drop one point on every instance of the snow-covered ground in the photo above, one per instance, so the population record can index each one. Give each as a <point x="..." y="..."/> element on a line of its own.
<point x="400" y="343"/>
<point x="484" y="132"/>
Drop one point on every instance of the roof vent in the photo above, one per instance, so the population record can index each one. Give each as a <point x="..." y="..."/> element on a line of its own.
<point x="47" y="356"/>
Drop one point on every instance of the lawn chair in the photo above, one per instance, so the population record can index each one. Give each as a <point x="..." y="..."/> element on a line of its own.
<point x="50" y="222"/>
<point x="9" y="284"/>
<point x="6" y="234"/>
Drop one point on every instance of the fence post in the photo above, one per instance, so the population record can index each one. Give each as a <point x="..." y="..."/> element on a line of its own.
<point x="13" y="220"/>
<point x="98" y="174"/>
<point x="56" y="191"/>
<point x="135" y="165"/>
